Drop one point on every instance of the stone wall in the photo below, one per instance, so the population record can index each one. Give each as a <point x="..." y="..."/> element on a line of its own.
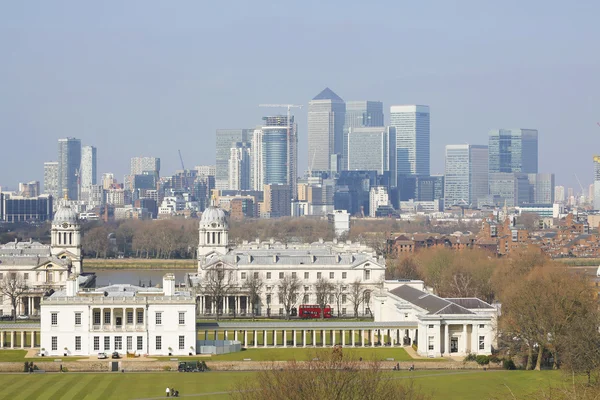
<point x="386" y="365"/>
<point x="92" y="366"/>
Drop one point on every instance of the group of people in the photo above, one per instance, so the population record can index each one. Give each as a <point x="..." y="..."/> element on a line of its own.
<point x="172" y="392"/>
<point x="397" y="367"/>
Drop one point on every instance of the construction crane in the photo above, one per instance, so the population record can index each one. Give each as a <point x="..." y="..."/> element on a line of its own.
<point x="580" y="185"/>
<point x="185" y="177"/>
<point x="288" y="106"/>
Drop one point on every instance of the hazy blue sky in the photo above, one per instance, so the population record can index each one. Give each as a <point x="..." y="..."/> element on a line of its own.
<point x="151" y="77"/>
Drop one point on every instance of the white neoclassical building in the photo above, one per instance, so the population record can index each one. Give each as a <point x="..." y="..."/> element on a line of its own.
<point x="339" y="262"/>
<point x="440" y="327"/>
<point x="119" y="318"/>
<point x="45" y="268"/>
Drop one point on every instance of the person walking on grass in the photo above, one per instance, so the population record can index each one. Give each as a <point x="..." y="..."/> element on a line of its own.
<point x="168" y="392"/>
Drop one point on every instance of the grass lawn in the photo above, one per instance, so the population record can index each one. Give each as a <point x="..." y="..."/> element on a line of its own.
<point x="447" y="385"/>
<point x="19" y="355"/>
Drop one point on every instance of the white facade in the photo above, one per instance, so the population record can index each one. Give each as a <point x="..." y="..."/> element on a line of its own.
<point x="440" y="327"/>
<point x="378" y="196"/>
<point x="119" y="318"/>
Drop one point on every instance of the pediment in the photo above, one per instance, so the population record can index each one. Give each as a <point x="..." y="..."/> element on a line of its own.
<point x="218" y="263"/>
<point x="51" y="266"/>
<point x="371" y="265"/>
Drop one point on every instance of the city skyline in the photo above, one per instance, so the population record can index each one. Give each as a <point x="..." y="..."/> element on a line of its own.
<point x="473" y="83"/>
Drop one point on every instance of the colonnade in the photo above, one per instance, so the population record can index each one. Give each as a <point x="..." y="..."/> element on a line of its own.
<point x="237" y="305"/>
<point x="8" y="339"/>
<point x="114" y="313"/>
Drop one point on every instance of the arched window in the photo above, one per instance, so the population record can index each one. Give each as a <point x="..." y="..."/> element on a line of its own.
<point x="213" y="238"/>
<point x="207" y="237"/>
<point x="70" y="237"/>
<point x="64" y="237"/>
<point x="59" y="237"/>
<point x="219" y="238"/>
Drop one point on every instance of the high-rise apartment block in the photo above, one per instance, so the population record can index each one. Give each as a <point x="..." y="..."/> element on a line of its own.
<point x="378" y="196"/>
<point x="29" y="189"/>
<point x="277" y="201"/>
<point x="141" y="164"/>
<point x="372" y="149"/>
<point x="559" y="194"/>
<point x="412" y="138"/>
<point x="225" y="140"/>
<point x="466" y="174"/>
<point x="51" y="178"/>
<point x="326" y="117"/>
<point x="239" y="167"/>
<point x="87" y="173"/>
<point x="69" y="164"/>
<point x="513" y="150"/>
<point x="596" y="182"/>
<point x="360" y="114"/>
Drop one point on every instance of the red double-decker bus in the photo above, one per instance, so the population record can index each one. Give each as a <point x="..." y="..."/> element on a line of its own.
<point x="306" y="311"/>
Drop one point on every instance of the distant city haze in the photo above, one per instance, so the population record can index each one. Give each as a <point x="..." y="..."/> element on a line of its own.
<point x="149" y="78"/>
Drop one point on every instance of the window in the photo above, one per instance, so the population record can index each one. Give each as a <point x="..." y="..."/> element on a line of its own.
<point x="269" y="298"/>
<point x="406" y="315"/>
<point x="129" y="343"/>
<point x="331" y="275"/>
<point x="306" y="275"/>
<point x="430" y="326"/>
<point x="305" y="299"/>
<point x="96" y="317"/>
<point x="96" y="343"/>
<point x="54" y="343"/>
<point x="481" y="326"/>
<point x="367" y="274"/>
<point x="77" y="318"/>
<point x="281" y="311"/>
<point x="107" y="317"/>
<point x="268" y="275"/>
<point x="140" y="317"/>
<point x="159" y="318"/>
<point x="140" y="343"/>
<point x="1" y="275"/>
<point x="430" y="342"/>
<point x="481" y="342"/>
<point x="130" y="317"/>
<point x="77" y="343"/>
<point x="118" y="342"/>
<point x="331" y="298"/>
<point x="256" y="275"/>
<point x="344" y="275"/>
<point x="319" y="275"/>
<point x="181" y="318"/>
<point x="181" y="342"/>
<point x="344" y="311"/>
<point x="26" y="276"/>
<point x="281" y="275"/>
<point x="106" y="343"/>
<point x="343" y="299"/>
<point x="293" y="274"/>
<point x="159" y="343"/>
<point x="54" y="319"/>
<point x="243" y="275"/>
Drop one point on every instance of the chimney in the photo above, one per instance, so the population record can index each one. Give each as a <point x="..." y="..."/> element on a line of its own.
<point x="169" y="284"/>
<point x="72" y="286"/>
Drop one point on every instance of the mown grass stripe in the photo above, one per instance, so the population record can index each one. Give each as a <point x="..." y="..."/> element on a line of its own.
<point x="104" y="381"/>
<point x="15" y="386"/>
<point x="60" y="387"/>
<point x="88" y="385"/>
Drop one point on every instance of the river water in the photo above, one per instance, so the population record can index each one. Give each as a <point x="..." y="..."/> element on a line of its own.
<point x="146" y="277"/>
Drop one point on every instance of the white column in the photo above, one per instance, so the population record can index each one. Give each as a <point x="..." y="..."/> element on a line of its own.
<point x="235" y="335"/>
<point x="333" y="337"/>
<point x="295" y="343"/>
<point x="314" y="341"/>
<point x="12" y="339"/>
<point x="274" y="337"/>
<point x="343" y="338"/>
<point x="352" y="339"/>
<point x="464" y="338"/>
<point x="265" y="338"/>
<point x="32" y="339"/>
<point x="22" y="339"/>
<point x="255" y="338"/>
<point x="245" y="338"/>
<point x="2" y="336"/>
<point x="285" y="338"/>
<point x="303" y="337"/>
<point x="372" y="337"/>
<point x="446" y="339"/>
<point x="362" y="337"/>
<point x="475" y="339"/>
<point x="323" y="338"/>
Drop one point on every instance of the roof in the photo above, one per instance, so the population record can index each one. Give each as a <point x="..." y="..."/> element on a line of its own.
<point x="471" y="303"/>
<point x="429" y="302"/>
<point x="327" y="94"/>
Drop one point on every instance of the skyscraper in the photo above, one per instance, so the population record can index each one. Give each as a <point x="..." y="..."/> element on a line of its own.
<point x="372" y="149"/>
<point x="326" y="116"/>
<point x="239" y="167"/>
<point x="141" y="164"/>
<point x="69" y="163"/>
<point x="225" y="140"/>
<point x="466" y="175"/>
<point x="51" y="179"/>
<point x="360" y="114"/>
<point x="596" y="183"/>
<point x="559" y="194"/>
<point x="412" y="138"/>
<point x="513" y="150"/>
<point x="88" y="175"/>
<point x="542" y="188"/>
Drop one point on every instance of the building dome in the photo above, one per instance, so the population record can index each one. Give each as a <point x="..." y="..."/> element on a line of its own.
<point x="214" y="217"/>
<point x="65" y="214"/>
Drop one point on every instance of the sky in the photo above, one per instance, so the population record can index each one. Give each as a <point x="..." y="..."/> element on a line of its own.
<point x="149" y="78"/>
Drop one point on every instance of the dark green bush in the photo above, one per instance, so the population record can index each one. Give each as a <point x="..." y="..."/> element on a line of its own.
<point x="482" y="360"/>
<point x="471" y="357"/>
<point x="508" y="364"/>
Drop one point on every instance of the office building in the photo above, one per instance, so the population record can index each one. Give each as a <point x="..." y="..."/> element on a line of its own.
<point x="510" y="189"/>
<point x="360" y="114"/>
<point x="206" y="170"/>
<point x="29" y="189"/>
<point x="541" y="188"/>
<point x="559" y="194"/>
<point x="277" y="201"/>
<point x="513" y="150"/>
<point x="430" y="188"/>
<point x="225" y="140"/>
<point x="16" y="208"/>
<point x="466" y="174"/>
<point x="69" y="164"/>
<point x="412" y="138"/>
<point x="372" y="149"/>
<point x="326" y="117"/>
<point x="51" y="178"/>
<point x="239" y="167"/>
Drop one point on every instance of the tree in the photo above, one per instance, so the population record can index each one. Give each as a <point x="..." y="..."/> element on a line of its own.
<point x="288" y="287"/>
<point x="339" y="290"/>
<point x="405" y="268"/>
<point x="356" y="295"/>
<point x="330" y="375"/>
<point x="530" y="221"/>
<point x="96" y="241"/>
<point x="13" y="286"/>
<point x="217" y="284"/>
<point x="323" y="290"/>
<point x="253" y="285"/>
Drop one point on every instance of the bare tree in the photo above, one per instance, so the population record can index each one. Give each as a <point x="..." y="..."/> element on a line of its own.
<point x="289" y="287"/>
<point x="217" y="284"/>
<point x="323" y="290"/>
<point x="13" y="286"/>
<point x="356" y="295"/>
<point x="254" y="285"/>
<point x="339" y="290"/>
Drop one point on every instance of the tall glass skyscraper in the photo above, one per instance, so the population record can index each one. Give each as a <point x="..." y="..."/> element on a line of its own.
<point x="226" y="139"/>
<point x="466" y="174"/>
<point x="412" y="138"/>
<point x="326" y="117"/>
<point x="360" y="114"/>
<point x="372" y="149"/>
<point x="513" y="150"/>
<point x="69" y="163"/>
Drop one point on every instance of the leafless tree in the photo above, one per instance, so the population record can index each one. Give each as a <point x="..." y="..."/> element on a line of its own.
<point x="253" y="285"/>
<point x="288" y="288"/>
<point x="13" y="286"/>
<point x="356" y="295"/>
<point x="323" y="290"/>
<point x="217" y="284"/>
<point x="339" y="290"/>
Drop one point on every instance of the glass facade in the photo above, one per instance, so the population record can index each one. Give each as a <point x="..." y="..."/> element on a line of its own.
<point x="466" y="174"/>
<point x="21" y="209"/>
<point x="274" y="155"/>
<point x="513" y="150"/>
<point x="69" y="162"/>
<point x="371" y="149"/>
<point x="412" y="139"/>
<point x="226" y="139"/>
<point x="360" y="114"/>
<point x="326" y="117"/>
